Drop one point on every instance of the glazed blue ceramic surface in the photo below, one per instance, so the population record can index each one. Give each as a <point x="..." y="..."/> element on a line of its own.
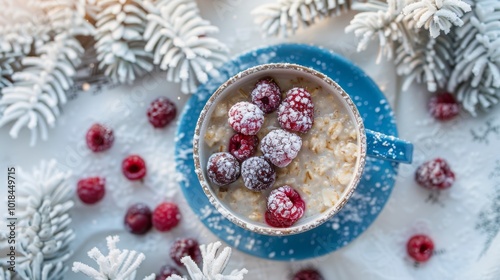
<point x="363" y="207"/>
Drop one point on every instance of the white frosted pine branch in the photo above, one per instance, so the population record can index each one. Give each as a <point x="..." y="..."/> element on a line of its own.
<point x="7" y="65"/>
<point x="44" y="234"/>
<point x="180" y="43"/>
<point x="285" y="17"/>
<point x="4" y="274"/>
<point x="119" y="41"/>
<point x="117" y="265"/>
<point x="437" y="15"/>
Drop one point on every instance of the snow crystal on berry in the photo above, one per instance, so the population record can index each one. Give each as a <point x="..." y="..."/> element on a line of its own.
<point x="246" y="118"/>
<point x="296" y="112"/>
<point x="280" y="147"/>
<point x="435" y="174"/>
<point x="284" y="207"/>
<point x="266" y="95"/>
<point x="223" y="168"/>
<point x="444" y="106"/>
<point x="258" y="174"/>
<point x="243" y="146"/>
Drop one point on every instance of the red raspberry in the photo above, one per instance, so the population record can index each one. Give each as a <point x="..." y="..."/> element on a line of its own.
<point x="185" y="247"/>
<point x="266" y="95"/>
<point x="134" y="167"/>
<point x="167" y="271"/>
<point x="223" y="169"/>
<point x="246" y="118"/>
<point x="296" y="113"/>
<point x="443" y="106"/>
<point x="166" y="216"/>
<point x="435" y="174"/>
<point x="243" y="146"/>
<point x="99" y="138"/>
<point x="308" y="274"/>
<point x="257" y="174"/>
<point x="420" y="248"/>
<point x="284" y="207"/>
<point x="161" y="112"/>
<point x="280" y="147"/>
<point x="138" y="219"/>
<point x="91" y="190"/>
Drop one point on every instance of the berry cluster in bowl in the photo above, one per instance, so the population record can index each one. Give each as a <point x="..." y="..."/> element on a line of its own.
<point x="276" y="155"/>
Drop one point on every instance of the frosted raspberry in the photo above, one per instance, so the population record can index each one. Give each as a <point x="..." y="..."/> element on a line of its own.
<point x="435" y="174"/>
<point x="420" y="248"/>
<point x="138" y="219"/>
<point x="296" y="112"/>
<point x="257" y="174"/>
<point x="161" y="112"/>
<point x="246" y="118"/>
<point x="134" y="167"/>
<point x="266" y="95"/>
<point x="166" y="216"/>
<point x="284" y="207"/>
<point x="167" y="271"/>
<point x="308" y="274"/>
<point x="444" y="106"/>
<point x="99" y="138"/>
<point x="280" y="147"/>
<point x="243" y="146"/>
<point x="223" y="168"/>
<point x="91" y="190"/>
<point x="185" y="247"/>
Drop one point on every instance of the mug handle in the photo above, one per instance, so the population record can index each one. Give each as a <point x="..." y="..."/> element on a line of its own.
<point x="388" y="147"/>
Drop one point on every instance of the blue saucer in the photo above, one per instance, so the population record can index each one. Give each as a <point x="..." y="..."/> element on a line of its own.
<point x="368" y="199"/>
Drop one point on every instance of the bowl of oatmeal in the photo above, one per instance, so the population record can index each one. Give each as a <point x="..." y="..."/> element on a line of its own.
<point x="280" y="148"/>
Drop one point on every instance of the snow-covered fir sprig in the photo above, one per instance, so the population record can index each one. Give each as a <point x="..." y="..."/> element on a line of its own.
<point x="437" y="15"/>
<point x="286" y="16"/>
<point x="6" y="70"/>
<point x="117" y="265"/>
<point x="4" y="274"/>
<point x="44" y="222"/>
<point x="214" y="264"/>
<point x="119" y="40"/>
<point x="179" y="40"/>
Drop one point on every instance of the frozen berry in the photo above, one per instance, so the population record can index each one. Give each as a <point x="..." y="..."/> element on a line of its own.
<point x="308" y="274"/>
<point x="138" y="219"/>
<point x="284" y="207"/>
<point x="257" y="174"/>
<point x="134" y="167"/>
<point x="167" y="271"/>
<point x="99" y="138"/>
<point x="185" y="247"/>
<point x="296" y="112"/>
<point x="280" y="147"/>
<point x="266" y="95"/>
<point x="243" y="146"/>
<point x="246" y="118"/>
<point x="91" y="190"/>
<point x="443" y="106"/>
<point x="435" y="174"/>
<point x="223" y="168"/>
<point x="166" y="216"/>
<point x="420" y="248"/>
<point x="161" y="112"/>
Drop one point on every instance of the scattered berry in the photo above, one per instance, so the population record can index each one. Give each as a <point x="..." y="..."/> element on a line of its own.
<point x="296" y="112"/>
<point x="435" y="174"/>
<point x="266" y="95"/>
<point x="134" y="167"/>
<point x="161" y="112"/>
<point x="280" y="147"/>
<point x="243" y="146"/>
<point x="420" y="248"/>
<point x="308" y="274"/>
<point x="257" y="174"/>
<point x="223" y="168"/>
<point x="443" y="106"/>
<point x="185" y="247"/>
<point x="166" y="216"/>
<point x="284" y="207"/>
<point x="99" y="138"/>
<point x="246" y="118"/>
<point x="167" y="271"/>
<point x="138" y="219"/>
<point x="91" y="190"/>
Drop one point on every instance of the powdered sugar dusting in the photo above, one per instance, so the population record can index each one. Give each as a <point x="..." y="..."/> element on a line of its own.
<point x="257" y="174"/>
<point x="246" y="118"/>
<point x="281" y="147"/>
